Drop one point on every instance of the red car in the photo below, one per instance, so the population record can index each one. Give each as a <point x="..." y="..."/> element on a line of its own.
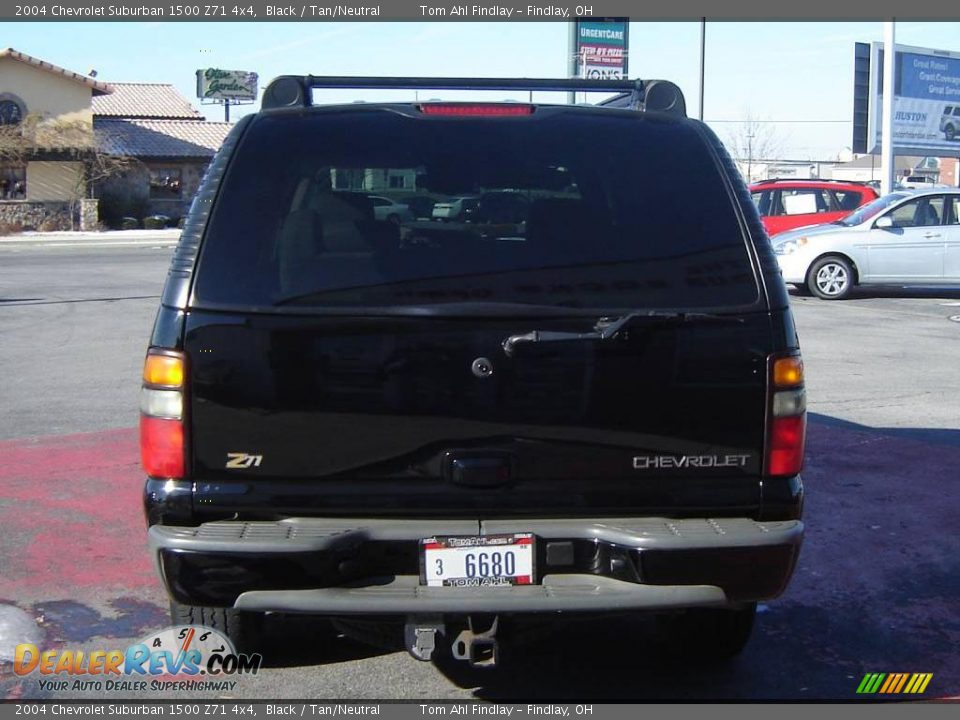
<point x="789" y="204"/>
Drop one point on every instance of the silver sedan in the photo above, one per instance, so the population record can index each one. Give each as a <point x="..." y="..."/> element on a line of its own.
<point x="909" y="237"/>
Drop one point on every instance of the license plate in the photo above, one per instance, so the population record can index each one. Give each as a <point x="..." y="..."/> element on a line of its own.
<point x="483" y="560"/>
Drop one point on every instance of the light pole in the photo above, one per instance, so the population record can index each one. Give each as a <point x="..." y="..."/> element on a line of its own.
<point x="749" y="157"/>
<point x="886" y="145"/>
<point x="703" y="56"/>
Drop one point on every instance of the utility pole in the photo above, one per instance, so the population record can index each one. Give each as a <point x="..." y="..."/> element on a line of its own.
<point x="703" y="56"/>
<point x="886" y="140"/>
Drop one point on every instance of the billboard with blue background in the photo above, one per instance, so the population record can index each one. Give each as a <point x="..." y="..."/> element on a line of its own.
<point x="926" y="103"/>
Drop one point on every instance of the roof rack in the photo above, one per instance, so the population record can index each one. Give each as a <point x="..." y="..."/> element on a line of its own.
<point x="289" y="91"/>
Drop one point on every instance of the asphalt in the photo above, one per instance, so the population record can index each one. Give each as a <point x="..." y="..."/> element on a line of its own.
<point x="109" y="238"/>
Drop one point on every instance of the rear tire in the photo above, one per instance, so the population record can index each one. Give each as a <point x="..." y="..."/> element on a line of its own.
<point x="831" y="278"/>
<point x="711" y="634"/>
<point x="243" y="628"/>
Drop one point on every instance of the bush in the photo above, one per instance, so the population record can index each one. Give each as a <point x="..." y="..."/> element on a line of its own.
<point x="156" y="222"/>
<point x="116" y="205"/>
<point x="129" y="223"/>
<point x="10" y="228"/>
<point x="54" y="223"/>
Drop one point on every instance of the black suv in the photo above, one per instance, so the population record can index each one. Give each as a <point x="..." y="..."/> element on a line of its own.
<point x="600" y="409"/>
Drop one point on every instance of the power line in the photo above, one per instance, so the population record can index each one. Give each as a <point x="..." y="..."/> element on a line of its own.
<point x="761" y="122"/>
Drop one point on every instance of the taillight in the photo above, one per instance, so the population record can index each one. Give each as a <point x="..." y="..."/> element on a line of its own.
<point x="477" y="109"/>
<point x="787" y="429"/>
<point x="162" y="396"/>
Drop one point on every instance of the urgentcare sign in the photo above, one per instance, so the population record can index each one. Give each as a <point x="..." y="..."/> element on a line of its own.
<point x="214" y="84"/>
<point x="926" y="99"/>
<point x="602" y="48"/>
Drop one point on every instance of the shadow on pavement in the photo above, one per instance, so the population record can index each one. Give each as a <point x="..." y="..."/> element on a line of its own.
<point x="891" y="291"/>
<point x="301" y="640"/>
<point x="939" y="436"/>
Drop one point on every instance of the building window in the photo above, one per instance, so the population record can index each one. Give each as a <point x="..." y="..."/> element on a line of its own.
<point x="398" y="181"/>
<point x="13" y="182"/>
<point x="12" y="109"/>
<point x="166" y="183"/>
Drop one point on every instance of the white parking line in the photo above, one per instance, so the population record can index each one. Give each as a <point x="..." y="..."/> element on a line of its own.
<point x="117" y="243"/>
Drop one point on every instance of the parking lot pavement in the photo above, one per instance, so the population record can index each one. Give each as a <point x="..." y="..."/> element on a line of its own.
<point x="109" y="238"/>
<point x="876" y="588"/>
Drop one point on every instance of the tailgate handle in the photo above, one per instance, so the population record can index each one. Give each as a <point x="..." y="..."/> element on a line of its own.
<point x="479" y="471"/>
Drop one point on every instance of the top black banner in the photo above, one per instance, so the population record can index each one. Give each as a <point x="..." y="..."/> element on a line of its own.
<point x="418" y="10"/>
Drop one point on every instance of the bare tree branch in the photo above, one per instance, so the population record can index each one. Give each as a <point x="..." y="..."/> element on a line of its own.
<point x="73" y="140"/>
<point x="753" y="141"/>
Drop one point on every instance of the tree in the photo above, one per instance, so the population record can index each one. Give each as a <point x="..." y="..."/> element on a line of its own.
<point x="752" y="140"/>
<point x="68" y="141"/>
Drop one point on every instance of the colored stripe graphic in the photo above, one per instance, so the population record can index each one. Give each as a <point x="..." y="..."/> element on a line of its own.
<point x="894" y="683"/>
<point x="870" y="683"/>
<point x="899" y="687"/>
<point x="891" y="682"/>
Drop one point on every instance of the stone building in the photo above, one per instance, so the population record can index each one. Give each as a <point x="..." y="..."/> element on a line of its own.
<point x="46" y="127"/>
<point x="55" y="124"/>
<point x="169" y="138"/>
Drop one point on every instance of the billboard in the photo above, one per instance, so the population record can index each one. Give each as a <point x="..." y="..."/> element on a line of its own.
<point x="926" y="97"/>
<point x="601" y="48"/>
<point x="214" y="84"/>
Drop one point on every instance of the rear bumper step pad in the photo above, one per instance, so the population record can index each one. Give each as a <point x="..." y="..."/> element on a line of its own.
<point x="302" y="565"/>
<point x="319" y="534"/>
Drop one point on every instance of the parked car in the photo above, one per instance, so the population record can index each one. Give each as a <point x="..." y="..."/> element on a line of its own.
<point x="420" y="205"/>
<point x="455" y="209"/>
<point x="909" y="237"/>
<point x="506" y="207"/>
<point x="603" y="413"/>
<point x="390" y="210"/>
<point x="913" y="182"/>
<point x="788" y="204"/>
<point x="950" y="121"/>
<point x="875" y="184"/>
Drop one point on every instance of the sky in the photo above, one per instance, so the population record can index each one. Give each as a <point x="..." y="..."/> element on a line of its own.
<point x="796" y="78"/>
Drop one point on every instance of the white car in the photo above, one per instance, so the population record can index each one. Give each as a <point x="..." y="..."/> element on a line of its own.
<point x="390" y="210"/>
<point x="455" y="209"/>
<point x="909" y="237"/>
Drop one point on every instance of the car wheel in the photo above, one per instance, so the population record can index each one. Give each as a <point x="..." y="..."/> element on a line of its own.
<point x="950" y="132"/>
<point x="243" y="628"/>
<point x="395" y="219"/>
<point x="831" y="278"/>
<point x="710" y="634"/>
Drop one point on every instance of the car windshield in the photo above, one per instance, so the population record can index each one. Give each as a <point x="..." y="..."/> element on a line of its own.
<point x="871" y="210"/>
<point x="541" y="212"/>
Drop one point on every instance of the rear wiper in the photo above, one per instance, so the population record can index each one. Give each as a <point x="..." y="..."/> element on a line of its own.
<point x="608" y="328"/>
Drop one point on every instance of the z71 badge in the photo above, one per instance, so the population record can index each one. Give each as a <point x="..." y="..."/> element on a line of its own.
<point x="242" y="461"/>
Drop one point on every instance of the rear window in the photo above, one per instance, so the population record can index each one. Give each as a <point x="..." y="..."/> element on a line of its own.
<point x="563" y="209"/>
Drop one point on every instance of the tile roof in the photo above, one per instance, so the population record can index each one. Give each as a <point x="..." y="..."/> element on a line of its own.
<point x="160" y="138"/>
<point x="98" y="88"/>
<point x="145" y="100"/>
<point x="901" y="162"/>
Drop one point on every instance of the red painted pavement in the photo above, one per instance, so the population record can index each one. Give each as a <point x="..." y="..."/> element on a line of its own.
<point x="70" y="508"/>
